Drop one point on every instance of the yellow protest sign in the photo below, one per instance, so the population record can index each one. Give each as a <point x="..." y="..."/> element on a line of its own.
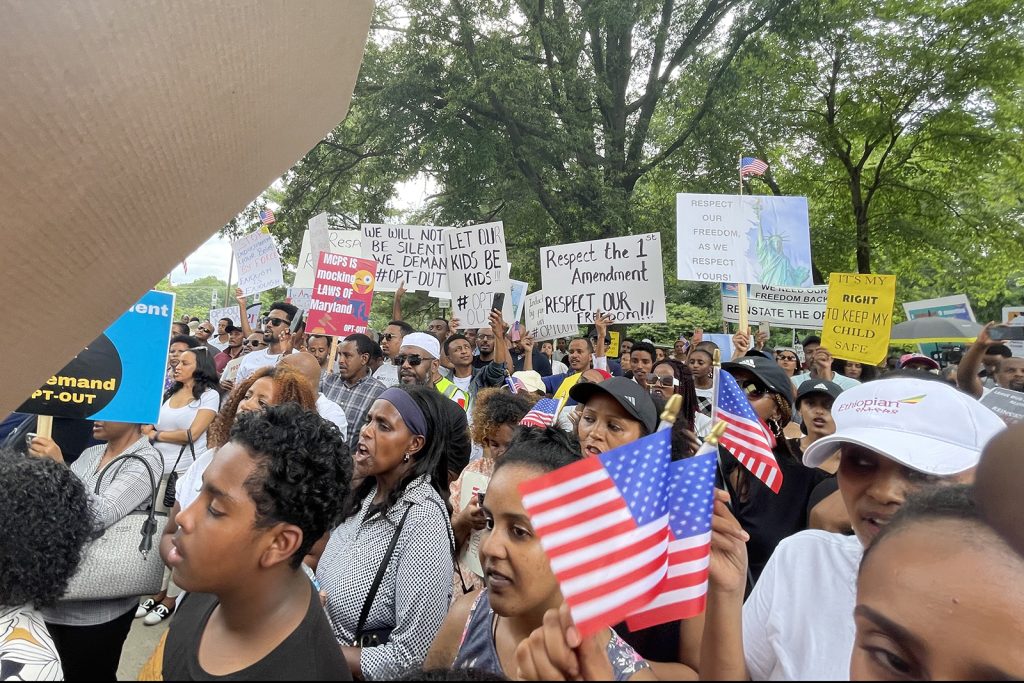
<point x="613" y="348"/>
<point x="858" y="316"/>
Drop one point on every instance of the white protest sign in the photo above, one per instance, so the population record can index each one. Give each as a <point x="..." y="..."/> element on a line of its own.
<point x="1014" y="315"/>
<point x="413" y="254"/>
<point x="517" y="290"/>
<point x="798" y="307"/>
<point x="621" y="276"/>
<point x="538" y="325"/>
<point x="750" y="238"/>
<point x="252" y="312"/>
<point x="345" y="242"/>
<point x="258" y="261"/>
<point x="319" y="240"/>
<point x="301" y="297"/>
<point x="477" y="271"/>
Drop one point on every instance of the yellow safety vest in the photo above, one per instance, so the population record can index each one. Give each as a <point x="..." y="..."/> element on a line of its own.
<point x="450" y="391"/>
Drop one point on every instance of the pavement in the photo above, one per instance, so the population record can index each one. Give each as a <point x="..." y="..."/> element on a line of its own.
<point x="141" y="642"/>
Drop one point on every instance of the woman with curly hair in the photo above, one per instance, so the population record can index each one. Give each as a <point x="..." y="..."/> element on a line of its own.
<point x="496" y="414"/>
<point x="44" y="522"/>
<point x="402" y="466"/>
<point x="89" y="634"/>
<point x="269" y="386"/>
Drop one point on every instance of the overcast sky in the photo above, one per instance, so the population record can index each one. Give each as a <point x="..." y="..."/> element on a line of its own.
<point x="214" y="257"/>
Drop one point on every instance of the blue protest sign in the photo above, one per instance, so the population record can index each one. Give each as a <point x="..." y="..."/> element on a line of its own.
<point x="118" y="377"/>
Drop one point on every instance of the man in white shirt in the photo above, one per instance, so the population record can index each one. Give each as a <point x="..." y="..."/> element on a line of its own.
<point x="307" y="364"/>
<point x="390" y="343"/>
<point x="279" y="341"/>
<point x="895" y="437"/>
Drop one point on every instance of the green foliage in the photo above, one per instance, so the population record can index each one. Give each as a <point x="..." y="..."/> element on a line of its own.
<point x="682" y="319"/>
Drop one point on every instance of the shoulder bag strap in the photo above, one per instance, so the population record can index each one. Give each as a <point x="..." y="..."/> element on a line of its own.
<point x="149" y="526"/>
<point x="454" y="551"/>
<point x="189" y="445"/>
<point x="368" y="603"/>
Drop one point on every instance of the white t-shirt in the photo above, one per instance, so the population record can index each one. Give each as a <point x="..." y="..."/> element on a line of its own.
<point x="387" y="373"/>
<point x="191" y="482"/>
<point x="255" y="360"/>
<point x="172" y="419"/>
<point x="559" y="368"/>
<point x="462" y="382"/>
<point x="332" y="412"/>
<point x="798" y="621"/>
<point x="212" y="341"/>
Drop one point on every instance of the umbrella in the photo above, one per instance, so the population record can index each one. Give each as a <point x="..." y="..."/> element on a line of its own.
<point x="935" y="330"/>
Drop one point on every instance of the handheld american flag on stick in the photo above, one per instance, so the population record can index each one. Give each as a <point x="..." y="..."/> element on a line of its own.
<point x="542" y="414"/>
<point x="267" y="217"/>
<point x="745" y="435"/>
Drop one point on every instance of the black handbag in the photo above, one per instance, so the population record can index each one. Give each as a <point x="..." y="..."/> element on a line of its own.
<point x="378" y="636"/>
<point x="172" y="478"/>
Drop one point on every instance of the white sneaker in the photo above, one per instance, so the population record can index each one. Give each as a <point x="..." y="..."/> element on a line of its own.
<point x="158" y="614"/>
<point x="145" y="607"/>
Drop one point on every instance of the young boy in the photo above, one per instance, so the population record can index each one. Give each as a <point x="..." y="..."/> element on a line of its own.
<point x="252" y="614"/>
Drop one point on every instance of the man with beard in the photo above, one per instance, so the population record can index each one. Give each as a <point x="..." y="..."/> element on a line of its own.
<point x="353" y="387"/>
<point x="465" y="377"/>
<point x="419" y="363"/>
<point x="390" y="342"/>
<point x="232" y="350"/>
<point x="584" y="354"/>
<point x="278" y="336"/>
<point x="485" y="344"/>
<point x="1009" y="372"/>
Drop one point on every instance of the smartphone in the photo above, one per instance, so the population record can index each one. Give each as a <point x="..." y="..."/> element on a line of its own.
<point x="480" y="498"/>
<point x="297" y="321"/>
<point x="498" y="302"/>
<point x="1006" y="332"/>
<point x="763" y="328"/>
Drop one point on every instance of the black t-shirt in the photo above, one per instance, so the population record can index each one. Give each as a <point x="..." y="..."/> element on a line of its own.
<point x="478" y="362"/>
<point x="769" y="517"/>
<point x="541" y="364"/>
<point x="310" y="653"/>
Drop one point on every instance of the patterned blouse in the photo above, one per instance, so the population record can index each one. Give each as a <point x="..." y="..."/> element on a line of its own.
<point x="27" y="652"/>
<point x="414" y="594"/>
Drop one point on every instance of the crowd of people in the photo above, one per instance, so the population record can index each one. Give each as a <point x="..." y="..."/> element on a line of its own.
<point x="342" y="508"/>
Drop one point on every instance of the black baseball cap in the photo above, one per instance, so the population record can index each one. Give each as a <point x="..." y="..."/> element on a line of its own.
<point x="627" y="393"/>
<point x="768" y="371"/>
<point x="231" y="327"/>
<point x="817" y="386"/>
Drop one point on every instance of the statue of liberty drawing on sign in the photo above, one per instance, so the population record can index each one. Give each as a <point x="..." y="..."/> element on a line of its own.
<point x="771" y="245"/>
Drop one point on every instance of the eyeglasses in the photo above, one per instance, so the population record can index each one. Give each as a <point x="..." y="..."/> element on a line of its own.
<point x="413" y="358"/>
<point x="790" y="359"/>
<point x="754" y="390"/>
<point x="665" y="381"/>
<point x="278" y="321"/>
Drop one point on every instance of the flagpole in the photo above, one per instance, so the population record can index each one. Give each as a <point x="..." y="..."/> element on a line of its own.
<point x="231" y="266"/>
<point x="741" y="287"/>
<point x="716" y="371"/>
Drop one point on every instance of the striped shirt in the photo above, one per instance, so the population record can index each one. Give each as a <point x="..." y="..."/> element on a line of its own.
<point x="125" y="488"/>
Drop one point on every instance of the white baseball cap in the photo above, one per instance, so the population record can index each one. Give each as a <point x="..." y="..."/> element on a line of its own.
<point x="427" y="342"/>
<point x="925" y="425"/>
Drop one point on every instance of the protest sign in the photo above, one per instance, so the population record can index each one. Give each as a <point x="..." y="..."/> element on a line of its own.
<point x="956" y="306"/>
<point x="798" y="307"/>
<point x="301" y="297"/>
<point x="1007" y="404"/>
<point x="613" y="345"/>
<point x="1014" y="315"/>
<point x="252" y="313"/>
<point x="342" y="295"/>
<point x="537" y="322"/>
<point x="413" y="254"/>
<point x="339" y="241"/>
<point x="858" y="318"/>
<point x="259" y="263"/>
<point x="749" y="238"/>
<point x="119" y="376"/>
<point x="318" y="228"/>
<point x="723" y="342"/>
<point x="472" y="482"/>
<point x="621" y="276"/>
<point x="477" y="271"/>
<point x="517" y="290"/>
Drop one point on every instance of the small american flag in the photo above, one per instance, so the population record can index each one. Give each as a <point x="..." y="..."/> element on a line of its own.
<point x="542" y="414"/>
<point x="752" y="166"/>
<point x="746" y="437"/>
<point x="603" y="523"/>
<point x="691" y="495"/>
<point x="267" y="217"/>
<point x="184" y="266"/>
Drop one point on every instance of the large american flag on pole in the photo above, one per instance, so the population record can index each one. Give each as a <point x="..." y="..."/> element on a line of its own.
<point x="604" y="524"/>
<point x="691" y="497"/>
<point x="752" y="166"/>
<point x="746" y="436"/>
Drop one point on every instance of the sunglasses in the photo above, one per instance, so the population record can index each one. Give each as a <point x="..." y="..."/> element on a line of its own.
<point x="388" y="336"/>
<point x="665" y="381"/>
<point x="278" y="321"/>
<point x="254" y="342"/>
<point x="754" y="390"/>
<point x="207" y="330"/>
<point x="791" y="359"/>
<point x="413" y="358"/>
